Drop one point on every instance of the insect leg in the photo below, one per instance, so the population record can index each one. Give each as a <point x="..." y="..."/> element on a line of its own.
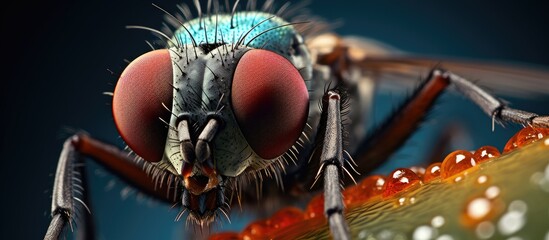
<point x="69" y="173"/>
<point x="331" y="165"/>
<point x="493" y="106"/>
<point x="396" y="129"/>
<point x="62" y="199"/>
<point x="401" y="124"/>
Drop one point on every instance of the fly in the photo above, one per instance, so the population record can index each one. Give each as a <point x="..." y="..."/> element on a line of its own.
<point x="237" y="97"/>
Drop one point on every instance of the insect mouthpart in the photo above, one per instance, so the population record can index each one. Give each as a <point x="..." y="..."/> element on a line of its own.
<point x="198" y="170"/>
<point x="204" y="206"/>
<point x="202" y="194"/>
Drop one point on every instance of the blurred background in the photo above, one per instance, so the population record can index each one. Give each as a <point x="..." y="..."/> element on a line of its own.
<point x="61" y="55"/>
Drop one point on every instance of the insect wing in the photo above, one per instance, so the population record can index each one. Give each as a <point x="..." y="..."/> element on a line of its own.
<point x="393" y="68"/>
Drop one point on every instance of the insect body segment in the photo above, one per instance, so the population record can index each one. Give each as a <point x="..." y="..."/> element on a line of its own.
<point x="230" y="98"/>
<point x="206" y="54"/>
<point x="201" y="90"/>
<point x="251" y="29"/>
<point x="229" y="108"/>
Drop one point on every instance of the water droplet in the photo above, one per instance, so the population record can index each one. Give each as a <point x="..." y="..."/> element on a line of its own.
<point x="492" y="192"/>
<point x="546" y="142"/>
<point x="445" y="237"/>
<point x="456" y="162"/>
<point x="351" y="194"/>
<point x="432" y="172"/>
<point x="544" y="184"/>
<point x="478" y="208"/>
<point x="437" y="221"/>
<point x="398" y="180"/>
<point x="536" y="178"/>
<point x="529" y="135"/>
<point x="518" y="206"/>
<point x="457" y="179"/>
<point x="285" y="217"/>
<point x="511" y="144"/>
<point x="525" y="136"/>
<point x="386" y="234"/>
<point x="401" y="201"/>
<point x="424" y="232"/>
<point x="315" y="208"/>
<point x="418" y="170"/>
<point x="482" y="179"/>
<point x="366" y="189"/>
<point x="539" y="179"/>
<point x="486" y="152"/>
<point x="485" y="230"/>
<point x="511" y="222"/>
<point x="371" y="186"/>
<point x="255" y="230"/>
<point x="406" y="201"/>
<point x="363" y="234"/>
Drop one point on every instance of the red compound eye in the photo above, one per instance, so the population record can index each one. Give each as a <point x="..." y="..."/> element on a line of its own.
<point x="270" y="102"/>
<point x="137" y="103"/>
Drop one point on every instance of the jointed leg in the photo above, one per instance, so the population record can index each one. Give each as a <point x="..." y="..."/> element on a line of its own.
<point x="493" y="106"/>
<point x="63" y="208"/>
<point x="69" y="179"/>
<point x="374" y="150"/>
<point x="380" y="144"/>
<point x="331" y="165"/>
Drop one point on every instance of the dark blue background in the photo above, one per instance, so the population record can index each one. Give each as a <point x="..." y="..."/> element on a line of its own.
<point x="58" y="53"/>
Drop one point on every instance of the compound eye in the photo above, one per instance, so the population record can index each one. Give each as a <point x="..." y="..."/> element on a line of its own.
<point x="270" y="102"/>
<point x="137" y="103"/>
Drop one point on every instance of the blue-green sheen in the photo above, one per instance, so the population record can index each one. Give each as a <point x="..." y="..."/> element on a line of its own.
<point x="278" y="39"/>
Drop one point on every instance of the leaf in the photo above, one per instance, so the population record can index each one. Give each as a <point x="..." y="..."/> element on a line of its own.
<point x="515" y="192"/>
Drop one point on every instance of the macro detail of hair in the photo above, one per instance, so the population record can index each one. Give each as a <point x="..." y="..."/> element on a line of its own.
<point x="259" y="106"/>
